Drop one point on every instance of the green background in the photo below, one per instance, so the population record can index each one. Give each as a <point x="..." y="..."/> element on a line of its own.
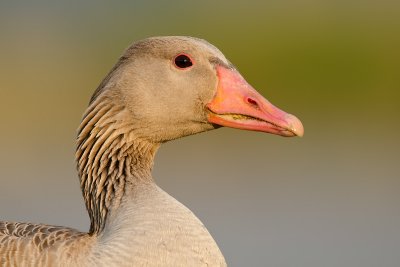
<point x="331" y="198"/>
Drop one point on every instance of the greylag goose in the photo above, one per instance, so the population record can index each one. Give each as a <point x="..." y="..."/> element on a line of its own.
<point x="161" y="88"/>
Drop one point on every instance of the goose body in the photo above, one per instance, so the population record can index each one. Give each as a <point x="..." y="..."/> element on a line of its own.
<point x="162" y="88"/>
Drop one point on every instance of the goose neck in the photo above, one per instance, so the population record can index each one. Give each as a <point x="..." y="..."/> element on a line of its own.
<point x="112" y="157"/>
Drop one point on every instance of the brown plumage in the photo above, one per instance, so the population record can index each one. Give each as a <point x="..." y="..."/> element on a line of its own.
<point x="144" y="101"/>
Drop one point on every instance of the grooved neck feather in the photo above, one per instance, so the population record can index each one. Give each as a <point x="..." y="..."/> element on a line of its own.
<point x="111" y="156"/>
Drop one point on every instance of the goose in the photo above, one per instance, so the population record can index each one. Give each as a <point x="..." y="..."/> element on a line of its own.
<point x="160" y="89"/>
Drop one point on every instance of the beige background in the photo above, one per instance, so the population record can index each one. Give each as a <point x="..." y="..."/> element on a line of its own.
<point x="329" y="199"/>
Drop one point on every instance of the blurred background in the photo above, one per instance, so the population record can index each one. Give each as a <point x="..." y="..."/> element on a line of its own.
<point x="331" y="198"/>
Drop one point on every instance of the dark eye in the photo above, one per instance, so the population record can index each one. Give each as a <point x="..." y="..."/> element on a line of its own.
<point x="183" y="61"/>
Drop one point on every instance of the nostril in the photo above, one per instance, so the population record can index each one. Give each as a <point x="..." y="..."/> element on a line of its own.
<point x="252" y="102"/>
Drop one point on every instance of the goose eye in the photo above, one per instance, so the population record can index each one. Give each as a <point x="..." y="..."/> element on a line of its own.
<point x="183" y="61"/>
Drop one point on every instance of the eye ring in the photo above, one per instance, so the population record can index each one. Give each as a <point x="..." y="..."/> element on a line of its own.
<point x="183" y="61"/>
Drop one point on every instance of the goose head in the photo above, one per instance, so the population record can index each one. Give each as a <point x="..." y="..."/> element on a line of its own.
<point x="178" y="86"/>
<point x="162" y="88"/>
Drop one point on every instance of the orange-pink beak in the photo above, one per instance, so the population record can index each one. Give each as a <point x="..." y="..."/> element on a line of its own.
<point x="238" y="105"/>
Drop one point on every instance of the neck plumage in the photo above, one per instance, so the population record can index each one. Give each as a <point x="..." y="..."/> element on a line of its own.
<point x="112" y="158"/>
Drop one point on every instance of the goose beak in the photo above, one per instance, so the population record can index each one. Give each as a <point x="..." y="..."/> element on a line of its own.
<point x="238" y="105"/>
